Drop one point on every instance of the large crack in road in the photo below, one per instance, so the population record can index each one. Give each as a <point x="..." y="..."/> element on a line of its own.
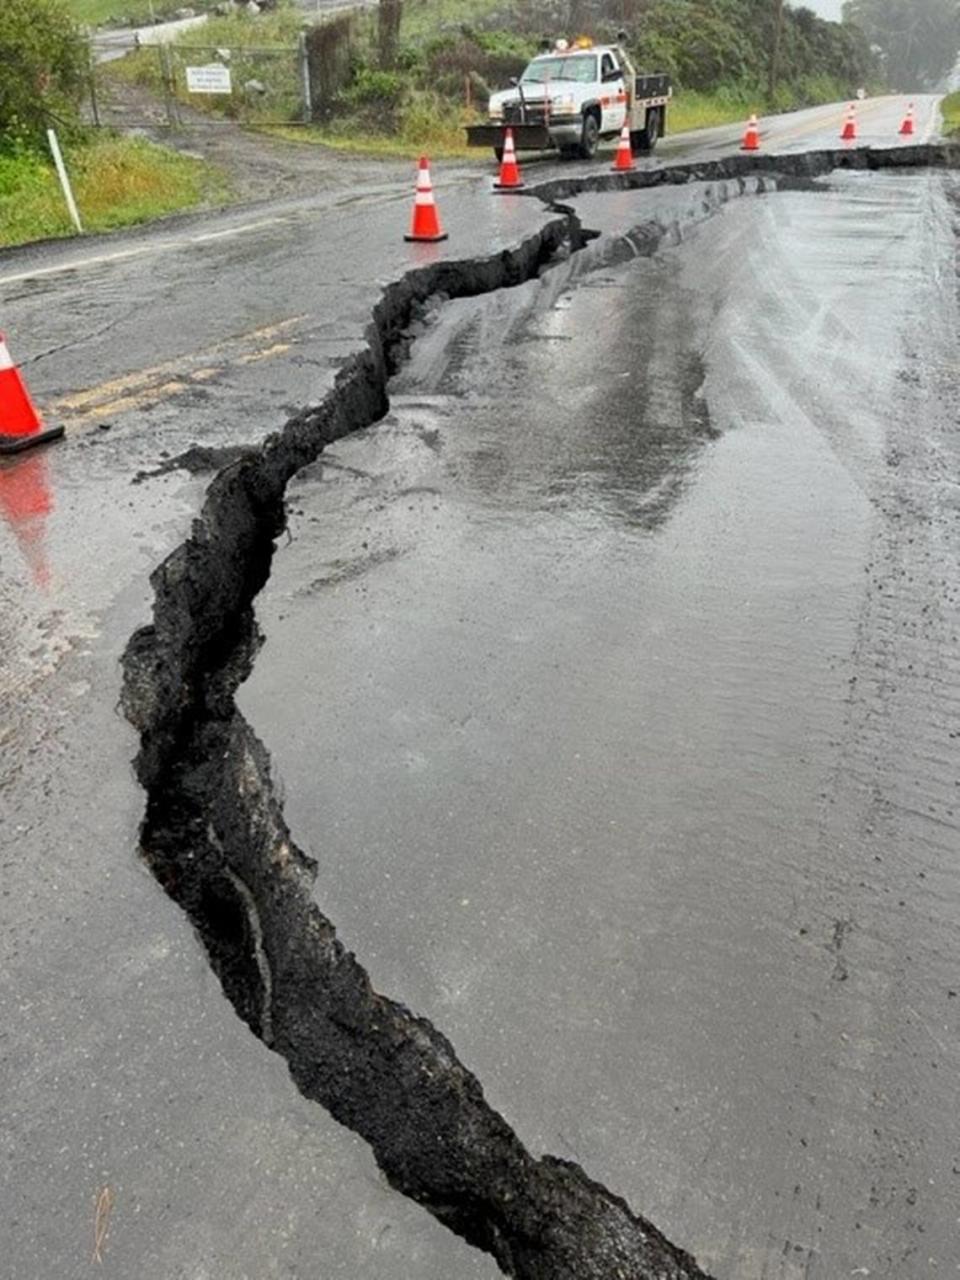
<point x="215" y="837"/>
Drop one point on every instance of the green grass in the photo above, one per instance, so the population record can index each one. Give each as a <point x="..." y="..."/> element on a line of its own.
<point x="247" y="39"/>
<point x="341" y="137"/>
<point x="426" y="19"/>
<point x="424" y="123"/>
<point x="94" y="13"/>
<point x="430" y="129"/>
<point x="239" y="30"/>
<point x="691" y="110"/>
<point x="950" y="107"/>
<point x="116" y="181"/>
<point x="733" y="104"/>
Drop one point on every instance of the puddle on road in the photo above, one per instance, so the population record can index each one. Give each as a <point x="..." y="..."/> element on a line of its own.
<point x="572" y="738"/>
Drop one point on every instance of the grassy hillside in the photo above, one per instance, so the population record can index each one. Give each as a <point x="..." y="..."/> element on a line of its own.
<point x="95" y="13"/>
<point x="718" y="52"/>
<point x="434" y="71"/>
<point x="117" y="182"/>
<point x="950" y="107"/>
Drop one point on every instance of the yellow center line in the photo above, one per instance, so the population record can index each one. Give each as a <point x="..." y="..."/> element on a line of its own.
<point x="155" y="382"/>
<point x="821" y="122"/>
<point x="112" y="407"/>
<point x="146" y="398"/>
<point x="277" y="349"/>
<point x="106" y="390"/>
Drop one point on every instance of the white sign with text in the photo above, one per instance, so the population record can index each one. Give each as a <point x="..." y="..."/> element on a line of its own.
<point x="212" y="79"/>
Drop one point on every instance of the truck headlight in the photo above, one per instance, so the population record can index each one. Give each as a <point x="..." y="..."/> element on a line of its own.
<point x="496" y="110"/>
<point x="563" y="102"/>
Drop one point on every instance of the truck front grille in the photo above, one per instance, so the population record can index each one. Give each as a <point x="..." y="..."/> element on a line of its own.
<point x="512" y="114"/>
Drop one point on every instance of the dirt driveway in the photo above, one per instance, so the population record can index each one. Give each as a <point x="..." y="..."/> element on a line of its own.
<point x="258" y="166"/>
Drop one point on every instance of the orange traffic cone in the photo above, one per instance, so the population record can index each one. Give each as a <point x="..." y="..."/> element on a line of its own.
<point x="623" y="161"/>
<point x="751" y="139"/>
<point x="850" y="125"/>
<point x="426" y="221"/>
<point x="906" y="128"/>
<point x="20" y="424"/>
<point x="509" y="179"/>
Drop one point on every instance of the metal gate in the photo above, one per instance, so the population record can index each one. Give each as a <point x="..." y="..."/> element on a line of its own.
<point x="138" y="85"/>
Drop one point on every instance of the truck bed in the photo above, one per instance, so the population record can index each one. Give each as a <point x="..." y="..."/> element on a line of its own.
<point x="652" y="86"/>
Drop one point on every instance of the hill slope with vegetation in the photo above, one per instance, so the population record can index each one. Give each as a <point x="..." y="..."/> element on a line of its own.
<point x="918" y="41"/>
<point x="411" y="73"/>
<point x="423" y="61"/>
<point x="44" y="77"/>
<point x="406" y="75"/>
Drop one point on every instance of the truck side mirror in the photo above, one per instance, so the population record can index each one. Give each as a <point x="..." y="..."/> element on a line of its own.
<point x="514" y="81"/>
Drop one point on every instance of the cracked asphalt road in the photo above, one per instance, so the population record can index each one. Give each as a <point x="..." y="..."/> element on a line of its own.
<point x="122" y="1065"/>
<point x="625" y="732"/>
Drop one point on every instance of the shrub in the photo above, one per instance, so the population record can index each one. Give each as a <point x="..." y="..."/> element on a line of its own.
<point x="377" y="89"/>
<point x="44" y="64"/>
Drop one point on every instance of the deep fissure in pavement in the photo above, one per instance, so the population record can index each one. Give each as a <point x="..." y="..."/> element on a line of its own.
<point x="215" y="838"/>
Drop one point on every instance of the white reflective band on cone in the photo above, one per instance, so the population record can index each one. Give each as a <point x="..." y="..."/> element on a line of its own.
<point x="423" y="197"/>
<point x="5" y="361"/>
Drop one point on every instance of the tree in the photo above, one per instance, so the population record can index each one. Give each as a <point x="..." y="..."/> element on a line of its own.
<point x="389" y="16"/>
<point x="919" y="39"/>
<point x="775" y="51"/>
<point x="44" y="64"/>
<point x="758" y="46"/>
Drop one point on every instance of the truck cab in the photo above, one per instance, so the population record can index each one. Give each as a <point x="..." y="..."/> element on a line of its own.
<point x="572" y="96"/>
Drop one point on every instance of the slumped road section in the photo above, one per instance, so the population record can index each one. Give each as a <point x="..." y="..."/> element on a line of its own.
<point x="641" y="549"/>
<point x="216" y="839"/>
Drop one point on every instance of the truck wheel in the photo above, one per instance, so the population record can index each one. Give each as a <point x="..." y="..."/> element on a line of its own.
<point x="590" y="136"/>
<point x="498" y="152"/>
<point x="647" y="138"/>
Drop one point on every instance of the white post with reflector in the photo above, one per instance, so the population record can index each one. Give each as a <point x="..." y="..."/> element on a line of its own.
<point x="64" y="180"/>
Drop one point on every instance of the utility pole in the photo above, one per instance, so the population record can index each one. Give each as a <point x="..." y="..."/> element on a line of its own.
<point x="775" y="51"/>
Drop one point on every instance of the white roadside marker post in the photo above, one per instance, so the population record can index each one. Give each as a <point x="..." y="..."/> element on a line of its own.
<point x="64" y="180"/>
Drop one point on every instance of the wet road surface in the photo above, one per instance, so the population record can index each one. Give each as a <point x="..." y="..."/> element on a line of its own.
<point x="624" y="659"/>
<point x="121" y="1064"/>
<point x="176" y="291"/>
<point x="878" y="125"/>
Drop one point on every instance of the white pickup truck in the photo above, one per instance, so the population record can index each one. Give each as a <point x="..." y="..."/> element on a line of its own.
<point x="571" y="96"/>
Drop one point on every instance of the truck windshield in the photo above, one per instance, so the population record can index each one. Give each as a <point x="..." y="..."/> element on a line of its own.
<point x="581" y="66"/>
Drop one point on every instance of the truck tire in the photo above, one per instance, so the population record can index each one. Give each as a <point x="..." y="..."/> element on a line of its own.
<point x="590" y="136"/>
<point x="498" y="152"/>
<point x="646" y="139"/>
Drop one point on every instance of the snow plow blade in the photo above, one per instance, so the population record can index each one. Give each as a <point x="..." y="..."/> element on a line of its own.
<point x="526" y="137"/>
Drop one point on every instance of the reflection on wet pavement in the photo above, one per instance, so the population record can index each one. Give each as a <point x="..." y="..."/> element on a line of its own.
<point x="26" y="500"/>
<point x="590" y="738"/>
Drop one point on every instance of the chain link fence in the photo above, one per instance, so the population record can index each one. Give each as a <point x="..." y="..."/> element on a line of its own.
<point x="136" y="85"/>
